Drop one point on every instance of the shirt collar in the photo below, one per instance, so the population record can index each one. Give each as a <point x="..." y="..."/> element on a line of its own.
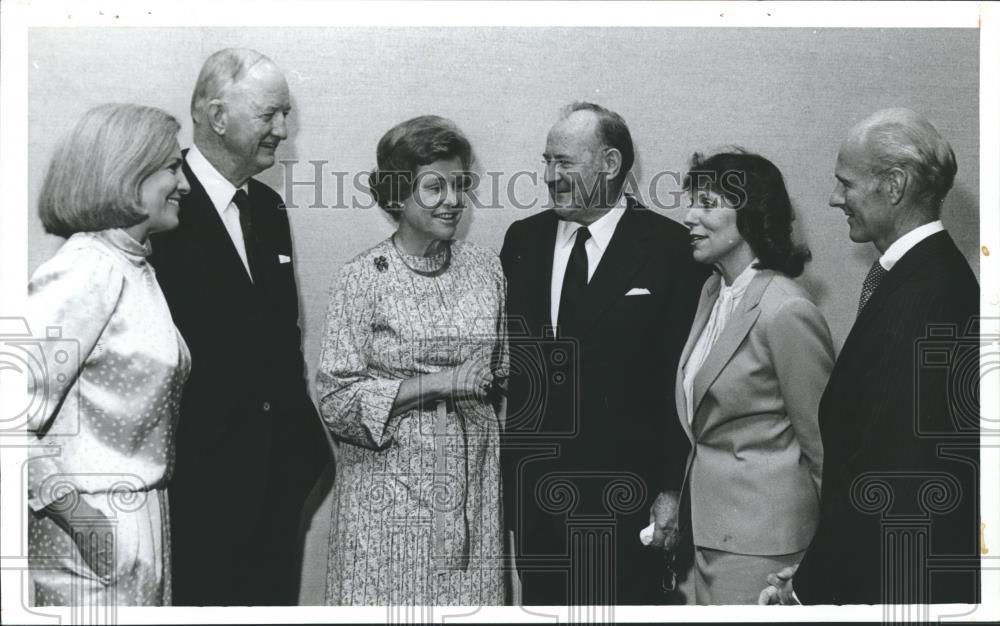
<point x="742" y="281"/>
<point x="132" y="250"/>
<point x="902" y="245"/>
<point x="600" y="231"/>
<point x="220" y="191"/>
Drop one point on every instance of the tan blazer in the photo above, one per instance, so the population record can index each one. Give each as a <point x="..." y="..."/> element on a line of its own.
<point x="755" y="467"/>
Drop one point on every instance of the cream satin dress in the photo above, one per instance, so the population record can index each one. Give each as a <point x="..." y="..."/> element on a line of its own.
<point x="105" y="407"/>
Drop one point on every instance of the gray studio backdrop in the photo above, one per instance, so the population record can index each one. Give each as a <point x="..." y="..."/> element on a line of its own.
<point x="789" y="94"/>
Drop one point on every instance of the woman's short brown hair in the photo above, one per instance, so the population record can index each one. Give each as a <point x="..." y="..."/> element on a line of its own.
<point x="408" y="146"/>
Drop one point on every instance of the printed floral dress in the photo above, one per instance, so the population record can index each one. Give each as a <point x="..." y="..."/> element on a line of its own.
<point x="416" y="514"/>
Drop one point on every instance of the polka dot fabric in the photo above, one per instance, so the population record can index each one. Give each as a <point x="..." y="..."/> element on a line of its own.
<point x="110" y="397"/>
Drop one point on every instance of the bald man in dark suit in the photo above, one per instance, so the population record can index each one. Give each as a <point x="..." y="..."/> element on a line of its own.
<point x="601" y="294"/>
<point x="250" y="445"/>
<point x="899" y="512"/>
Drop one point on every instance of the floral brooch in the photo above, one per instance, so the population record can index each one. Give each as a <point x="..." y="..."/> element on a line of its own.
<point x="381" y="264"/>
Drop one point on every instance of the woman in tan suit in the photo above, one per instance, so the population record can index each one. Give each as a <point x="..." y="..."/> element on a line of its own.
<point x="749" y="383"/>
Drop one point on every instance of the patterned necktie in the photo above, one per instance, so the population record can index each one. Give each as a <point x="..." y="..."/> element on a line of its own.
<point x="242" y="202"/>
<point x="872" y="280"/>
<point x="575" y="280"/>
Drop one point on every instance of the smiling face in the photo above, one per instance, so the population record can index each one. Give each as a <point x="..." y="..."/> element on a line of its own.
<point x="434" y="209"/>
<point x="575" y="169"/>
<point x="859" y="194"/>
<point x="160" y="195"/>
<point x="715" y="238"/>
<point x="257" y="109"/>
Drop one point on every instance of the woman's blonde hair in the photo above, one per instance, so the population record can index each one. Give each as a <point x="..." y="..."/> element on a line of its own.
<point x="94" y="178"/>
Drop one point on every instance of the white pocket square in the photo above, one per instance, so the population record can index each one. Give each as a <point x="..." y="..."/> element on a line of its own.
<point x="284" y="259"/>
<point x="637" y="291"/>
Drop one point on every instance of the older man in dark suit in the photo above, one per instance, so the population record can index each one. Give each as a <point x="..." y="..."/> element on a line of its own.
<point x="249" y="444"/>
<point x="899" y="512"/>
<point x="601" y="294"/>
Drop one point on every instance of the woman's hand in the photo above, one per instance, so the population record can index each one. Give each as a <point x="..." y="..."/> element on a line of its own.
<point x="96" y="541"/>
<point x="473" y="379"/>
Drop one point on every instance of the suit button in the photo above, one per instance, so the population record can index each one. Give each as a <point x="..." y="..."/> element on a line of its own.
<point x="266" y="406"/>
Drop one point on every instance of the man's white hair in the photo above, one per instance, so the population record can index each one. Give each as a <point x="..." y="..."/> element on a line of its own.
<point x="220" y="72"/>
<point x="905" y="139"/>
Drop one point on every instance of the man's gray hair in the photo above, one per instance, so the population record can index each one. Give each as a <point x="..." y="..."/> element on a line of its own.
<point x="219" y="73"/>
<point x="613" y="132"/>
<point x="905" y="139"/>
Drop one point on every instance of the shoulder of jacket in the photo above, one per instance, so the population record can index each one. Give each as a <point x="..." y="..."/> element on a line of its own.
<point x="535" y="220"/>
<point x="258" y="188"/>
<point x="660" y="226"/>
<point x="784" y="297"/>
<point x="783" y="287"/>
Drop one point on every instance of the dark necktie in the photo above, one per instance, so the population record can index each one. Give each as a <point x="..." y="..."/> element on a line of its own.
<point x="242" y="202"/>
<point x="872" y="280"/>
<point x="575" y="281"/>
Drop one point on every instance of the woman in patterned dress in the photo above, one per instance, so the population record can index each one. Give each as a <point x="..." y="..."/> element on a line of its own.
<point x="412" y="361"/>
<point x="108" y="402"/>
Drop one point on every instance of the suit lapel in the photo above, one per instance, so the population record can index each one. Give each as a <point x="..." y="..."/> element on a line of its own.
<point x="207" y="225"/>
<point x="538" y="270"/>
<point x="732" y="336"/>
<point x="626" y="254"/>
<point x="911" y="262"/>
<point x="265" y="228"/>
<point x="708" y="296"/>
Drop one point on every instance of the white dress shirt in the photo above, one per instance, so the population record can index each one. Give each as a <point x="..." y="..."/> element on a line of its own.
<point x="600" y="236"/>
<point x="728" y="299"/>
<point x="902" y="245"/>
<point x="220" y="191"/>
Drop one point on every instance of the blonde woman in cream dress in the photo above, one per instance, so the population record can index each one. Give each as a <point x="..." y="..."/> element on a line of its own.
<point x="97" y="481"/>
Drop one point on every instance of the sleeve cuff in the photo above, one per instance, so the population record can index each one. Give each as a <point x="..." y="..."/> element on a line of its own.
<point x="359" y="412"/>
<point x="377" y="409"/>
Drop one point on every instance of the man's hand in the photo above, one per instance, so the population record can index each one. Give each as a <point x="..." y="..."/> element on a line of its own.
<point x="664" y="516"/>
<point x="779" y="589"/>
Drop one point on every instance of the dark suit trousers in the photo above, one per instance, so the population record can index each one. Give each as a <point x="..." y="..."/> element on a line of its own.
<point x="250" y="557"/>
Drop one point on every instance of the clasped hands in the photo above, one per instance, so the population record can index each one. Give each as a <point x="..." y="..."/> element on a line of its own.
<point x="664" y="515"/>
<point x="473" y="379"/>
<point x="779" y="588"/>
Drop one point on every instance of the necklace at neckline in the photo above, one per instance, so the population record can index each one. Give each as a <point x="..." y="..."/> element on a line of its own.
<point x="428" y="273"/>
